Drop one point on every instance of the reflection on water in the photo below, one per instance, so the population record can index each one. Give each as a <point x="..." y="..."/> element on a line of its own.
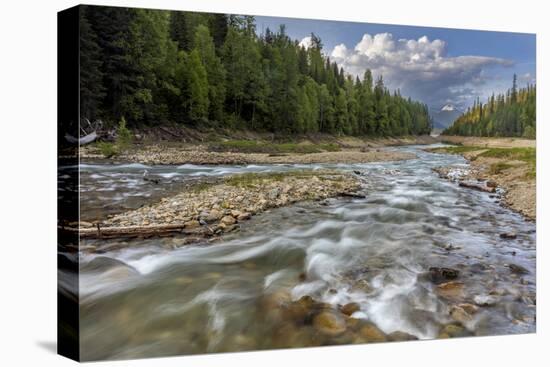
<point x="155" y="297"/>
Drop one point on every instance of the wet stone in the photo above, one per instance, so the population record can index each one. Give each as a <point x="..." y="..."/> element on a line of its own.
<point x="440" y="275"/>
<point x="452" y="331"/>
<point x="372" y="334"/>
<point x="517" y="269"/>
<point x="508" y="235"/>
<point x="398" y="336"/>
<point x="485" y="300"/>
<point x="460" y="315"/>
<point x="329" y="323"/>
<point x="350" y="308"/>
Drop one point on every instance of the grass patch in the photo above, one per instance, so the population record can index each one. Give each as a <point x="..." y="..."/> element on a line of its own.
<point x="527" y="155"/>
<point x="497" y="168"/>
<point x="252" y="146"/>
<point x="199" y="187"/>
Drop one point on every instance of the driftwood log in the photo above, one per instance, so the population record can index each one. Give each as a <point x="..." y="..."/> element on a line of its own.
<point x="477" y="186"/>
<point x="138" y="231"/>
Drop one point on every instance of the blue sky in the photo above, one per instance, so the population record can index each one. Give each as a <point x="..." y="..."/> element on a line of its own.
<point x="436" y="65"/>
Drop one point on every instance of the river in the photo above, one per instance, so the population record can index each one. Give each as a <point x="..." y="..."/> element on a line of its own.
<point x="154" y="297"/>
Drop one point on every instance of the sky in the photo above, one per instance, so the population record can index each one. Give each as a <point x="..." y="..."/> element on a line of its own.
<point x="438" y="66"/>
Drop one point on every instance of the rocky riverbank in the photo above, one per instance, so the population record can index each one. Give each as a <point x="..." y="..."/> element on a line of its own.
<point x="507" y="172"/>
<point x="213" y="209"/>
<point x="201" y="155"/>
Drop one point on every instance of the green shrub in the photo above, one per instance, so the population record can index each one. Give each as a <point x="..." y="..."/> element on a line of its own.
<point x="122" y="142"/>
<point x="124" y="135"/>
<point x="108" y="150"/>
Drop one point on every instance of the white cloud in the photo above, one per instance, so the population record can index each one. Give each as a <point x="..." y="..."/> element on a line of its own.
<point x="420" y="68"/>
<point x="306" y="42"/>
<point x="339" y="52"/>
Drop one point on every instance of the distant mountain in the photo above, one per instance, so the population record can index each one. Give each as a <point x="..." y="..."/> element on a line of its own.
<point x="445" y="116"/>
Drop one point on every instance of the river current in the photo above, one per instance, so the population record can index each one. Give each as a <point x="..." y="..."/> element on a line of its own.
<point x="155" y="297"/>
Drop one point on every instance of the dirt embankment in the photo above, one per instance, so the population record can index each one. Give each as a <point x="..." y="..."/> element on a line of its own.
<point x="507" y="162"/>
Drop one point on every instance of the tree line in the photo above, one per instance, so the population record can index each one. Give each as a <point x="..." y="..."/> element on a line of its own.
<point x="154" y="67"/>
<point x="509" y="114"/>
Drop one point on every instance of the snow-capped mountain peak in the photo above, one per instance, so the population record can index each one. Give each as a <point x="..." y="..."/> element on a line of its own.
<point x="448" y="107"/>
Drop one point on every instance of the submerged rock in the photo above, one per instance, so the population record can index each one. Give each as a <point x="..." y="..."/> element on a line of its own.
<point x="329" y="323"/>
<point x="508" y="235"/>
<point x="485" y="300"/>
<point x="451" y="290"/>
<point x="372" y="334"/>
<point x="518" y="269"/>
<point x="460" y="315"/>
<point x="104" y="263"/>
<point x="439" y="275"/>
<point x="399" y="336"/>
<point x="452" y="331"/>
<point x="350" y="308"/>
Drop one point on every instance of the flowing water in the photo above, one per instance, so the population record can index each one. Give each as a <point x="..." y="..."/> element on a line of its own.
<point x="153" y="297"/>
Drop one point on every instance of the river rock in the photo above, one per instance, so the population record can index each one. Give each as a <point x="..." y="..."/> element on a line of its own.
<point x="228" y="220"/>
<point x="300" y="311"/>
<point x="244" y="216"/>
<point x="452" y="331"/>
<point x="213" y="216"/>
<point x="451" y="290"/>
<point x="400" y="336"/>
<point x="229" y="228"/>
<point x="508" y="235"/>
<point x="192" y="224"/>
<point x="329" y="323"/>
<point x="517" y="269"/>
<point x="485" y="300"/>
<point x="235" y="213"/>
<point x="460" y="315"/>
<point x="439" y="275"/>
<point x="273" y="194"/>
<point x="469" y="308"/>
<point x="350" y="308"/>
<point x="103" y="264"/>
<point x="372" y="334"/>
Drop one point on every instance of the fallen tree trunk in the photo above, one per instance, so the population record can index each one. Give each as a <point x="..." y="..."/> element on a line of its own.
<point x="477" y="186"/>
<point x="135" y="231"/>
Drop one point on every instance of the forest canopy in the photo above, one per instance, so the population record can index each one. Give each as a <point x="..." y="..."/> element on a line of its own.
<point x="510" y="114"/>
<point x="154" y="67"/>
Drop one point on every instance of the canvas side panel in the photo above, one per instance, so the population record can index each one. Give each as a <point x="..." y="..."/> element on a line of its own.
<point x="68" y="339"/>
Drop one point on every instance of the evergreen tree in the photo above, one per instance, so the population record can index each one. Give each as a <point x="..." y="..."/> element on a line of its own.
<point x="512" y="113"/>
<point x="215" y="71"/>
<point x="91" y="76"/>
<point x="155" y="67"/>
